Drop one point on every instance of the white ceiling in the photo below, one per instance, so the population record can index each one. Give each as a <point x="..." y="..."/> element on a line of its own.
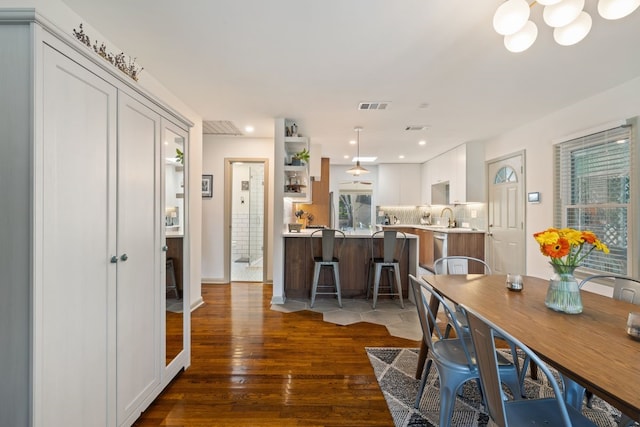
<point x="249" y="61"/>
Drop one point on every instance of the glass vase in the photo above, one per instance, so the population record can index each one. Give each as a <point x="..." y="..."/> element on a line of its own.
<point x="563" y="293"/>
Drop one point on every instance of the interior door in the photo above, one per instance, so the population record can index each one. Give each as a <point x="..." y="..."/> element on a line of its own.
<point x="505" y="238"/>
<point x="139" y="251"/>
<point x="74" y="229"/>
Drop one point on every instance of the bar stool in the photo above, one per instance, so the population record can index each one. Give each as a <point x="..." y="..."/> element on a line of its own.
<point x="171" y="283"/>
<point x="330" y="248"/>
<point x="393" y="244"/>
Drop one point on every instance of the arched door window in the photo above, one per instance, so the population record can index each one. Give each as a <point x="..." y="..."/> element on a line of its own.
<point x="505" y="174"/>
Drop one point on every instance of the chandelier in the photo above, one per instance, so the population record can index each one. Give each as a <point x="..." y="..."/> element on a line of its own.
<point x="569" y="21"/>
<point x="357" y="170"/>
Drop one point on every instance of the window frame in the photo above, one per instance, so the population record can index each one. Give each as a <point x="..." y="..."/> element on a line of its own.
<point x="572" y="206"/>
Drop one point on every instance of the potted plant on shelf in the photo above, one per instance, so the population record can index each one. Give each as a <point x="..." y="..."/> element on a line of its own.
<point x="299" y="157"/>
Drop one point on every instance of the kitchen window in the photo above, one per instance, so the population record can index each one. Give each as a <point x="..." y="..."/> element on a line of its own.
<point x="593" y="192"/>
<point x="354" y="210"/>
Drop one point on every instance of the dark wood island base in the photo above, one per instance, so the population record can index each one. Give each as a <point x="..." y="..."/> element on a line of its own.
<point x="354" y="264"/>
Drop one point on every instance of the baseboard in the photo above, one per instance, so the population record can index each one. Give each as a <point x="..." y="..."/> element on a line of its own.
<point x="277" y="299"/>
<point x="213" y="281"/>
<point x="197" y="303"/>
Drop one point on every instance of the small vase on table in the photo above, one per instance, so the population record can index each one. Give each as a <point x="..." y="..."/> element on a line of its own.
<point x="563" y="293"/>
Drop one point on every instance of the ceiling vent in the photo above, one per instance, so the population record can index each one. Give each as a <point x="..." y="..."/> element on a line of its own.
<point x="416" y="127"/>
<point x="219" y="127"/>
<point x="373" y="105"/>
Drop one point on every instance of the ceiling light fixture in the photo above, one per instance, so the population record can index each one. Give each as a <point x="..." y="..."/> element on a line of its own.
<point x="357" y="170"/>
<point x="570" y="22"/>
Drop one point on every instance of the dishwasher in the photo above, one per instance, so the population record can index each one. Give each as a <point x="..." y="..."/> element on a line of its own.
<point x="439" y="245"/>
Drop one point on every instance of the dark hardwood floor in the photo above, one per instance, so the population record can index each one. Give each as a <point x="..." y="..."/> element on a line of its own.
<point x="251" y="366"/>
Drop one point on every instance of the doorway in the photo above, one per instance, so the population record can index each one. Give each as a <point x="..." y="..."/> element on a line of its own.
<point x="506" y="233"/>
<point x="247" y="220"/>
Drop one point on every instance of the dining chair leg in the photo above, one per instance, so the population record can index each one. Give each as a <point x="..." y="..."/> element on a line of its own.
<point x="423" y="382"/>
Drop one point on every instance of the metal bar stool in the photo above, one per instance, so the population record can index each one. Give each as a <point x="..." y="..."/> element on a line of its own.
<point x="392" y="250"/>
<point x="171" y="283"/>
<point x="330" y="258"/>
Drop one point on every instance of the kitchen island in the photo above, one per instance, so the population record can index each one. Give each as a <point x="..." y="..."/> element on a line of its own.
<point x="438" y="241"/>
<point x="354" y="264"/>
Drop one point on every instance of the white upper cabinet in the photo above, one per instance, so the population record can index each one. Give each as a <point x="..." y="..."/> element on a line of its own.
<point x="461" y="169"/>
<point x="399" y="184"/>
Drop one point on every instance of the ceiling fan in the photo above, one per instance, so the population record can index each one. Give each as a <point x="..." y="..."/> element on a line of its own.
<point x="356" y="182"/>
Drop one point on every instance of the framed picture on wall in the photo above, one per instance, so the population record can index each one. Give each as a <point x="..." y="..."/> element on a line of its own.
<point x="207" y="186"/>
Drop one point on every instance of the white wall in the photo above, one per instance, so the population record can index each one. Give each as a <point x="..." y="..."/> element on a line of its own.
<point x="215" y="150"/>
<point x="61" y="16"/>
<point x="619" y="103"/>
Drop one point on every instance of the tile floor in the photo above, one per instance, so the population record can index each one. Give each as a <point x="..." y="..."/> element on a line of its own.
<point x="244" y="272"/>
<point x="399" y="322"/>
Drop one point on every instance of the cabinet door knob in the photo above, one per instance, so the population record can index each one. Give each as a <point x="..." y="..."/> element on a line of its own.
<point x="165" y="248"/>
<point x="124" y="257"/>
<point x="114" y="259"/>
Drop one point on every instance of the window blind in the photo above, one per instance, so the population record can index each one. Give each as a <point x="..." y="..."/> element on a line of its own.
<point x="592" y="192"/>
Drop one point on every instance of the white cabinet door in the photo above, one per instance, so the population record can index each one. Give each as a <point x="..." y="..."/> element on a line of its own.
<point x="74" y="236"/>
<point x="458" y="168"/>
<point x="410" y="185"/>
<point x="399" y="184"/>
<point x="139" y="248"/>
<point x="388" y="181"/>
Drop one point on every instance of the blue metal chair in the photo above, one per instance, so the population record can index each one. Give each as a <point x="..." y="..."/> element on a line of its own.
<point x="460" y="264"/>
<point x="552" y="411"/>
<point x="624" y="289"/>
<point x="454" y="358"/>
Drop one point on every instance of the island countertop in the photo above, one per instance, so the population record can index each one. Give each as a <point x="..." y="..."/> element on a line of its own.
<point x="354" y="263"/>
<point x="364" y="234"/>
<point x="438" y="228"/>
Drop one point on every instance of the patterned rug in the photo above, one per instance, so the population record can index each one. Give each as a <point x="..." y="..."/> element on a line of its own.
<point x="395" y="369"/>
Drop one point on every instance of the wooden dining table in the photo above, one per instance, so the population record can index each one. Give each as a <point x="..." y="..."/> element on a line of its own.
<point x="591" y="348"/>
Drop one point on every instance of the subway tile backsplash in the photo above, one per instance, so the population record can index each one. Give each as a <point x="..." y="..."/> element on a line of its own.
<point x="473" y="214"/>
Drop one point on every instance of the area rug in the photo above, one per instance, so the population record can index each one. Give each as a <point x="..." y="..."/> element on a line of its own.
<point x="395" y="371"/>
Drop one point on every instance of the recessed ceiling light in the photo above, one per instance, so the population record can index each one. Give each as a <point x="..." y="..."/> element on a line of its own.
<point x="352" y="142"/>
<point x="401" y="156"/>
<point x="248" y="129"/>
<point x="365" y="159"/>
<point x="346" y="156"/>
<point x="422" y="142"/>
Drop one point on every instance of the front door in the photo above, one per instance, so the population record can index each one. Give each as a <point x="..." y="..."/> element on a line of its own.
<point x="506" y="250"/>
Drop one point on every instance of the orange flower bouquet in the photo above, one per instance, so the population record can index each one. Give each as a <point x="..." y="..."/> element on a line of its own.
<point x="566" y="249"/>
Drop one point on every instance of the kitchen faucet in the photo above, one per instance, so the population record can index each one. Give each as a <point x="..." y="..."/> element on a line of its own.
<point x="452" y="221"/>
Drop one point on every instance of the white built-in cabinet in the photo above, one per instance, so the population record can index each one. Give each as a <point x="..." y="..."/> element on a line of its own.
<point x="83" y="313"/>
<point x="399" y="184"/>
<point x="462" y="168"/>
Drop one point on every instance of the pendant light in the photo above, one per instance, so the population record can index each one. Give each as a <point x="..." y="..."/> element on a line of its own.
<point x="357" y="170"/>
<point x="569" y="21"/>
